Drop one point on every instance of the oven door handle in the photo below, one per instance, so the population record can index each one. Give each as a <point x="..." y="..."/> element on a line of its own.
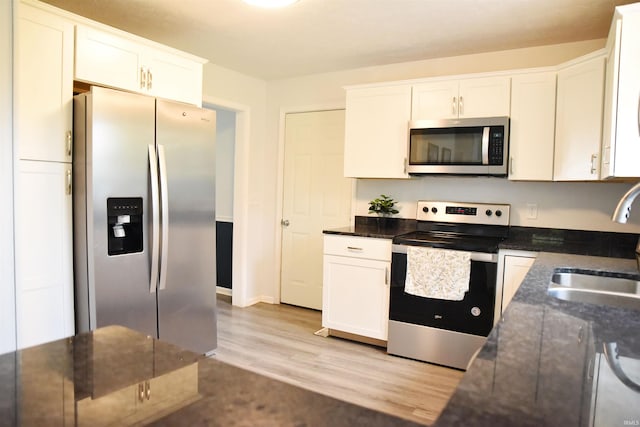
<point x="475" y="256"/>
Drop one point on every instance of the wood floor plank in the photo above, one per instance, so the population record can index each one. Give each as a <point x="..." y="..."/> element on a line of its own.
<point x="279" y="341"/>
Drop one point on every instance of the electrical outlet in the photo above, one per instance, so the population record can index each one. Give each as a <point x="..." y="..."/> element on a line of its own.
<point x="532" y="211"/>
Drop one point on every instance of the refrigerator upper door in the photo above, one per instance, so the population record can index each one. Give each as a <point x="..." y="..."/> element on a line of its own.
<point x="187" y="294"/>
<point x="120" y="127"/>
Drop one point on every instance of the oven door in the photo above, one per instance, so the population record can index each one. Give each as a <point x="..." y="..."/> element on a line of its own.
<point x="473" y="315"/>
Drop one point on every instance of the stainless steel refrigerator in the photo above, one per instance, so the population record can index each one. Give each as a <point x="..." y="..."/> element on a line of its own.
<point x="144" y="217"/>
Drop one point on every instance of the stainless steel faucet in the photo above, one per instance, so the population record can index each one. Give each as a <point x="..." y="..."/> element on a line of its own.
<point x="621" y="214"/>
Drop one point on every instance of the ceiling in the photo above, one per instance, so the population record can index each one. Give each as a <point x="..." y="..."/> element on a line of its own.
<point x="315" y="36"/>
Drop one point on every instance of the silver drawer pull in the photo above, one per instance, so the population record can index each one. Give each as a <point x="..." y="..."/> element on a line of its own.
<point x="353" y="248"/>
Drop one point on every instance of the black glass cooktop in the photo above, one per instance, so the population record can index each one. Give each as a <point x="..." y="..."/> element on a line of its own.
<point x="446" y="240"/>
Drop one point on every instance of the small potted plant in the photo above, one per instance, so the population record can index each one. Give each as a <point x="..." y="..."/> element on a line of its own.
<point x="383" y="206"/>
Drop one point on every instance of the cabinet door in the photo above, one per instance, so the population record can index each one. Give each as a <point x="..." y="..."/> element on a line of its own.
<point x="515" y="269"/>
<point x="376" y="132"/>
<point x="43" y="85"/>
<point x="532" y="131"/>
<point x="356" y="296"/>
<point x="625" y="150"/>
<point x="484" y="97"/>
<point x="173" y="77"/>
<point x="564" y="354"/>
<point x="44" y="277"/>
<point x="579" y="121"/>
<point x="108" y="60"/>
<point x="432" y="101"/>
<point x="610" y="101"/>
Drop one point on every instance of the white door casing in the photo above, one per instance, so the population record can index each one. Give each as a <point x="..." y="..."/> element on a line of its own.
<point x="316" y="196"/>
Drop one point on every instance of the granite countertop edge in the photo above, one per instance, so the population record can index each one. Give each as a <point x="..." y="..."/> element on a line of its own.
<point x="468" y="404"/>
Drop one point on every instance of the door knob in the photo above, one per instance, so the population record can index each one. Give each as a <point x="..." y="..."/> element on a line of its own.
<point x="285" y="222"/>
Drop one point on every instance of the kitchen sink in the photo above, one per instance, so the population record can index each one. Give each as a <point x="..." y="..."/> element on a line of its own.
<point x="602" y="288"/>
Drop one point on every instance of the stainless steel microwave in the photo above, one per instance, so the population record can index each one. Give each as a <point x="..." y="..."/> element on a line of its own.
<point x="474" y="146"/>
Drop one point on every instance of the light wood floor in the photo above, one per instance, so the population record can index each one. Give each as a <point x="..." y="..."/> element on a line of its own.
<point x="279" y="341"/>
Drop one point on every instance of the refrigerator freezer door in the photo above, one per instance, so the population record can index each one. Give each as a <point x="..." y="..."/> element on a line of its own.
<point x="119" y="129"/>
<point x="187" y="301"/>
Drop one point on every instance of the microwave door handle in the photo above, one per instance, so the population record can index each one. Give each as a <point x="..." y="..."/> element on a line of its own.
<point x="485" y="145"/>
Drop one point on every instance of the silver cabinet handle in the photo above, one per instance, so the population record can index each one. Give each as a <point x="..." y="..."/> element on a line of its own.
<point x="141" y="392"/>
<point x="143" y="78"/>
<point x="155" y="218"/>
<point x="454" y="105"/>
<point x="354" y="248"/>
<point x="164" y="200"/>
<point x="511" y="165"/>
<point x="284" y="222"/>
<point x="147" y="387"/>
<point x="69" y="182"/>
<point x="69" y="140"/>
<point x="461" y="106"/>
<point x="594" y="168"/>
<point x="386" y="276"/>
<point x="149" y="79"/>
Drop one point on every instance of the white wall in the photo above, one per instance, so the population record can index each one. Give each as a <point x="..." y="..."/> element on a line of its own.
<point x="252" y="211"/>
<point x="559" y="205"/>
<point x="7" y="287"/>
<point x="225" y="143"/>
<point x="572" y="205"/>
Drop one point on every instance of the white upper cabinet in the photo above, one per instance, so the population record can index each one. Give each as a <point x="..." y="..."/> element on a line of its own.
<point x="43" y="85"/>
<point x="533" y="116"/>
<point x="621" y="133"/>
<point x="376" y="132"/>
<point x="452" y="99"/>
<point x="113" y="60"/>
<point x="579" y="120"/>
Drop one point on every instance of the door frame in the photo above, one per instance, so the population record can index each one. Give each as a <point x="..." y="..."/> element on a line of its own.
<point x="241" y="169"/>
<point x="280" y="180"/>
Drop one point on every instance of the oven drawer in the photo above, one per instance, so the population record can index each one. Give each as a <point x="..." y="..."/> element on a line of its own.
<point x="357" y="247"/>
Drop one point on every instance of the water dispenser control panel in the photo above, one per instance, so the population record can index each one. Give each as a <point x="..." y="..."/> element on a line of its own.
<point x="124" y="225"/>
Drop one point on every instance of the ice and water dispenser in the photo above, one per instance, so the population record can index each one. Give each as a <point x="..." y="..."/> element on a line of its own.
<point x="124" y="223"/>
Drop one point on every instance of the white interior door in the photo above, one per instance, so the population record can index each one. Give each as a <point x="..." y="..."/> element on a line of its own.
<point x="316" y="196"/>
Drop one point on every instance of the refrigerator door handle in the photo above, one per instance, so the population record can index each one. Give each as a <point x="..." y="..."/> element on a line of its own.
<point x="164" y="200"/>
<point x="155" y="221"/>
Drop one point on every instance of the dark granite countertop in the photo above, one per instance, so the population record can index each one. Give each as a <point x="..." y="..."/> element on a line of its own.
<point x="381" y="228"/>
<point x="578" y="242"/>
<point x="115" y="376"/>
<point x="544" y="363"/>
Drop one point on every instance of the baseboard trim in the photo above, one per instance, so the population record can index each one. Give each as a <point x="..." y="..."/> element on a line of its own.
<point x="223" y="291"/>
<point x="359" y="338"/>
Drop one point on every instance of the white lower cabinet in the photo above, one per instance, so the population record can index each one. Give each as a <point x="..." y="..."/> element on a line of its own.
<point x="513" y="266"/>
<point x="356" y="280"/>
<point x="43" y="244"/>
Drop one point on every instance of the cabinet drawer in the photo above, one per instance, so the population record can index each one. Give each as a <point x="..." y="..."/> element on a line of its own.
<point x="358" y="247"/>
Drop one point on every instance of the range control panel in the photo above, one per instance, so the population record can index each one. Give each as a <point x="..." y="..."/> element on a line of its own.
<point x="463" y="213"/>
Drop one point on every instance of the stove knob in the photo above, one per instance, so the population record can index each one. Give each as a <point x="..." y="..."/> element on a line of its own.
<point x="489" y="213"/>
<point x="434" y="210"/>
<point x="498" y="213"/>
<point x="475" y="311"/>
<point x="425" y="209"/>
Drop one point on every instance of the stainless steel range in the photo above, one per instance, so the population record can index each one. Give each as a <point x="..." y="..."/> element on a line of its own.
<point x="440" y="329"/>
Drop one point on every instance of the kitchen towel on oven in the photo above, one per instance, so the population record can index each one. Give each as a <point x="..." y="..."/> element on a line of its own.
<point x="437" y="273"/>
